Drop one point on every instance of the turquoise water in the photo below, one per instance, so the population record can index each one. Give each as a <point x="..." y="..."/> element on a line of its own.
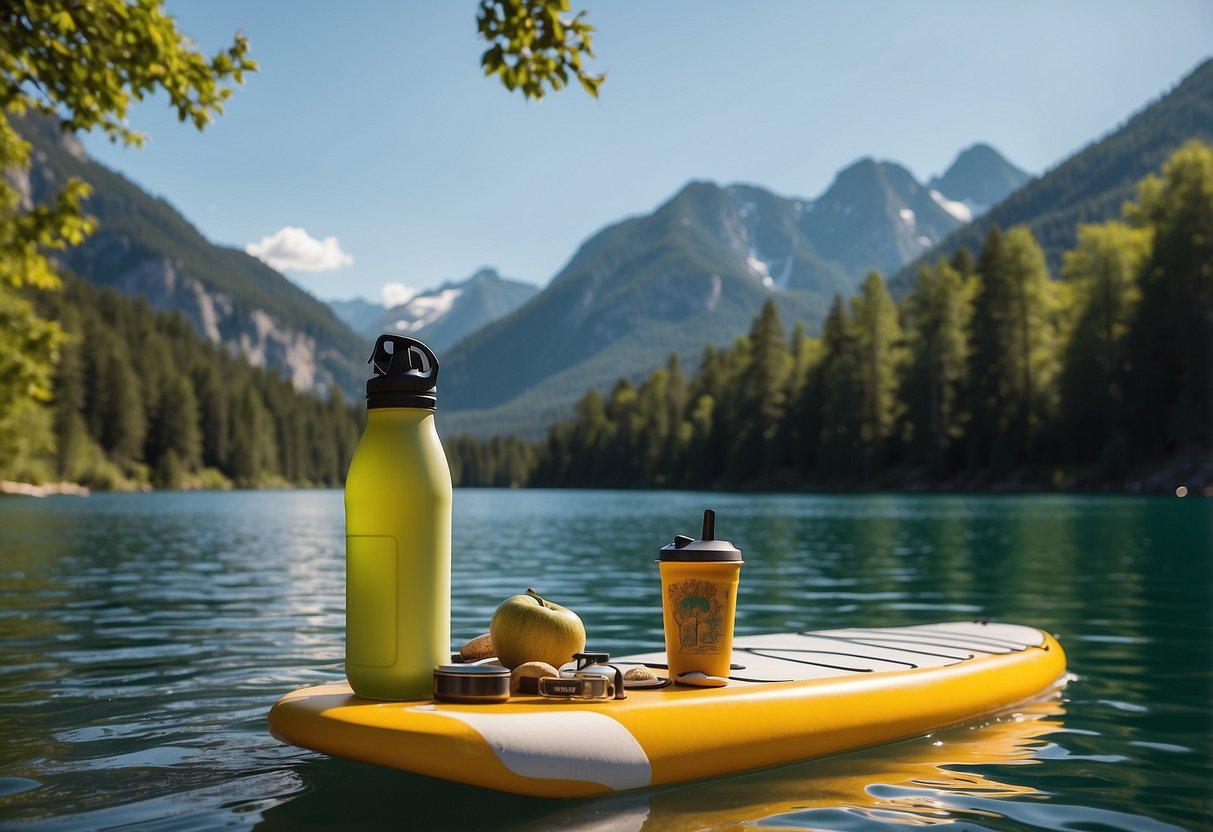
<point x="143" y="638"/>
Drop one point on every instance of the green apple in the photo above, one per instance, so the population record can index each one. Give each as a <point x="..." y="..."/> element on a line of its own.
<point x="527" y="628"/>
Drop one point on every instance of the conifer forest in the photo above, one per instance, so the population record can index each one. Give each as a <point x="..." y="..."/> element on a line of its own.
<point x="990" y="373"/>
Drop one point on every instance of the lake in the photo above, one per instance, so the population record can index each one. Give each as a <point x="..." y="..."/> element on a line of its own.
<point x="143" y="638"/>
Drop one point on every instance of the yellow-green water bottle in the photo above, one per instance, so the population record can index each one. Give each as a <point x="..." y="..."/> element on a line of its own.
<point x="398" y="531"/>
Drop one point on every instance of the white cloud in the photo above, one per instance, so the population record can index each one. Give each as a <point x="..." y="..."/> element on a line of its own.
<point x="293" y="249"/>
<point x="394" y="294"/>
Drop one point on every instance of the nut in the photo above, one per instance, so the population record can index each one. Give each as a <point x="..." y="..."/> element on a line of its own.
<point x="525" y="678"/>
<point x="640" y="673"/>
<point x="481" y="647"/>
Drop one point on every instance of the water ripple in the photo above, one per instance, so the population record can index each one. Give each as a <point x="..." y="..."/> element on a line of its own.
<point x="144" y="637"/>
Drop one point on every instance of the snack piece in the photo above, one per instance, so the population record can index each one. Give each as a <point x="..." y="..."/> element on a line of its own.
<point x="481" y="647"/>
<point x="639" y="673"/>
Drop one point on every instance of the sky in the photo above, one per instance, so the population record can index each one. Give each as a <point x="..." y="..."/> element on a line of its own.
<point x="369" y="157"/>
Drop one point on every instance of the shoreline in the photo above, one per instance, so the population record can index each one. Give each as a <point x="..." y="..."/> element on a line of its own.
<point x="26" y="489"/>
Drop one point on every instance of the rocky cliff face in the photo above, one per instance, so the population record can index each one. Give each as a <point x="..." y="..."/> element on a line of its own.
<point x="258" y="335"/>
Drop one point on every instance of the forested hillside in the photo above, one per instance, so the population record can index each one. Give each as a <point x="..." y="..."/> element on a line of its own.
<point x="694" y="272"/>
<point x="990" y="374"/>
<point x="143" y="247"/>
<point x="140" y="399"/>
<point x="1093" y="184"/>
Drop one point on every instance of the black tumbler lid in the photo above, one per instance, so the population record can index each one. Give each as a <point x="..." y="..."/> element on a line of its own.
<point x="406" y="374"/>
<point x="707" y="548"/>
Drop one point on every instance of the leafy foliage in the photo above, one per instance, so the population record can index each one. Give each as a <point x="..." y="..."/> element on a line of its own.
<point x="80" y="64"/>
<point x="84" y="63"/>
<point x="534" y="45"/>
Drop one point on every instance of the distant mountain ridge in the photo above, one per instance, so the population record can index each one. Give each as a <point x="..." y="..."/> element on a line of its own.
<point x="442" y="316"/>
<point x="1093" y="184"/>
<point x="144" y="247"/>
<point x="980" y="177"/>
<point x="695" y="271"/>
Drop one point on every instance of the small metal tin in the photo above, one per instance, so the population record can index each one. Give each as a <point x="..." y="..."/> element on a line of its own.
<point x="472" y="684"/>
<point x="579" y="686"/>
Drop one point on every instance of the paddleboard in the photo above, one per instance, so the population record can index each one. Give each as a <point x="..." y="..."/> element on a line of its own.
<point x="790" y="696"/>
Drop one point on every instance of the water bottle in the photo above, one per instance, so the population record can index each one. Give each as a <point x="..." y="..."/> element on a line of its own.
<point x="398" y="531"/>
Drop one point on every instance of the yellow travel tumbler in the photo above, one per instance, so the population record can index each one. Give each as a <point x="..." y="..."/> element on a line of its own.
<point x="699" y="602"/>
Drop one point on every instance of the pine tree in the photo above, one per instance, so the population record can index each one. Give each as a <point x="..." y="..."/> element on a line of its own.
<point x="989" y="366"/>
<point x="115" y="404"/>
<point x="762" y="403"/>
<point x="71" y="433"/>
<point x="673" y="456"/>
<point x="797" y="439"/>
<point x="345" y="424"/>
<point x="214" y="415"/>
<point x="176" y="434"/>
<point x="620" y="461"/>
<point x="835" y="391"/>
<point x="937" y="322"/>
<point x="254" y="445"/>
<point x="1012" y="364"/>
<point x="1036" y="311"/>
<point x="878" y="353"/>
<point x="1103" y="272"/>
<point x="655" y="427"/>
<point x="962" y="261"/>
<point x="705" y="462"/>
<point x="1170" y="382"/>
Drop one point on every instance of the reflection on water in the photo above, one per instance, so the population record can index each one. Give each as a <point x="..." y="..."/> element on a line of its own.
<point x="920" y="782"/>
<point x="143" y="638"/>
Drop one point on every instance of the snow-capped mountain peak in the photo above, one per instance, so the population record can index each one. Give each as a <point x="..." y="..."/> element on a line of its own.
<point x="424" y="309"/>
<point x="963" y="211"/>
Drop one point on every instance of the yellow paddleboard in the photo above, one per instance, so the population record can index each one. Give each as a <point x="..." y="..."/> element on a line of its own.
<point x="791" y="696"/>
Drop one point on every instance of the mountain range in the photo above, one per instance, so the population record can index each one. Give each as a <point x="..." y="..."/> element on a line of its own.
<point x="144" y="247"/>
<point x="694" y="271"/>
<point x="1093" y="184"/>
<point x="439" y="317"/>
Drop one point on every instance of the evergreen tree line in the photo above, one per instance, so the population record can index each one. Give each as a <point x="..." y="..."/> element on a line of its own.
<point x="140" y="399"/>
<point x="988" y="372"/>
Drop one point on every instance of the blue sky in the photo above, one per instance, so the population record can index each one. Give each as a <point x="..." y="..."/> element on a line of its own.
<point x="371" y="128"/>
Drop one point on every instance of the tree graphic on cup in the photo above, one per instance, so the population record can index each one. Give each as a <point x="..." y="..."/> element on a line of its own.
<point x="698" y="612"/>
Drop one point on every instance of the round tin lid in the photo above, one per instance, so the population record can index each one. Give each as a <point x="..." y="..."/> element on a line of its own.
<point x="473" y="671"/>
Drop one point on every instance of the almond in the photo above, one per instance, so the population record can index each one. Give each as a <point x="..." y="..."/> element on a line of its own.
<point x="481" y="647"/>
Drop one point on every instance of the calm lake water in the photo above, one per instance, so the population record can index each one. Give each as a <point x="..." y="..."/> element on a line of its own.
<point x="143" y="638"/>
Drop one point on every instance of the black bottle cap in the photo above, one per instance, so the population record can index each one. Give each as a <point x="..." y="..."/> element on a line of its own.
<point x="406" y="374"/>
<point x="707" y="548"/>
